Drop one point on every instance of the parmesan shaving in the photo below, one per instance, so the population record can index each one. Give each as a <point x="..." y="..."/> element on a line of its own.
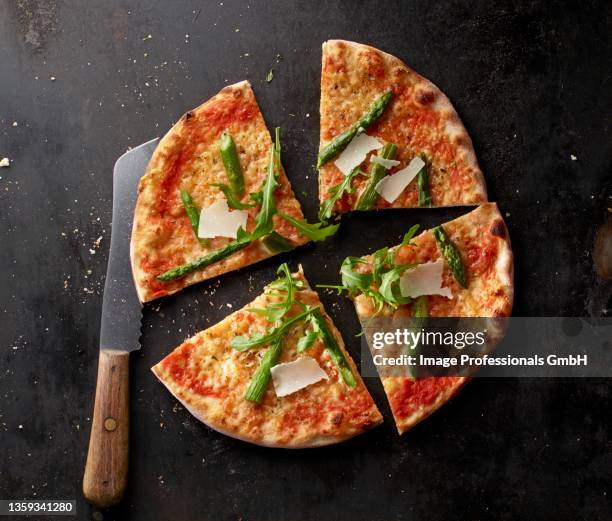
<point x="391" y="186"/>
<point x="424" y="279"/>
<point x="293" y="376"/>
<point x="387" y="163"/>
<point x="356" y="151"/>
<point x="218" y="221"/>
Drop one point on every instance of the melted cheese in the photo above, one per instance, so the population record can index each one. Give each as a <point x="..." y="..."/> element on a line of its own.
<point x="356" y="151"/>
<point x="293" y="376"/>
<point x="391" y="186"/>
<point x="217" y="220"/>
<point x="424" y="279"/>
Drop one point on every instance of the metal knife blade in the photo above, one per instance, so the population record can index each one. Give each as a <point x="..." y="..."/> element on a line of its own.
<point x="121" y="309"/>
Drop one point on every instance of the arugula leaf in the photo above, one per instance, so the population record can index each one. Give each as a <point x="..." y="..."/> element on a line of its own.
<point x="382" y="283"/>
<point x="272" y="313"/>
<point x="352" y="280"/>
<point x="307" y="341"/>
<point x="410" y="234"/>
<point x="232" y="199"/>
<point x="256" y="197"/>
<point x="333" y="348"/>
<point x="242" y="343"/>
<point x="407" y="240"/>
<point x="380" y="261"/>
<point x="284" y="284"/>
<point x="390" y="287"/>
<point x="314" y="231"/>
<point x="336" y="192"/>
<point x="193" y="212"/>
<point x="263" y="222"/>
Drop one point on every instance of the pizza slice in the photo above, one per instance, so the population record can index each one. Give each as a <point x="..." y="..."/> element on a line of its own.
<point x="463" y="268"/>
<point x="389" y="137"/>
<point x="275" y="373"/>
<point x="214" y="198"/>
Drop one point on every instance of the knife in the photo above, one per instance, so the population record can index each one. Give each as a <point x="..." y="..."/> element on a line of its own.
<point x="106" y="468"/>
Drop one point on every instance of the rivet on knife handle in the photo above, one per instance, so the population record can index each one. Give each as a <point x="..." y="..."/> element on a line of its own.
<point x="106" y="469"/>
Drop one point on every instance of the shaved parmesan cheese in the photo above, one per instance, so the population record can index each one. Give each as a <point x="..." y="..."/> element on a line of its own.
<point x="356" y="151"/>
<point x="293" y="376"/>
<point x="391" y="186"/>
<point x="218" y="221"/>
<point x="424" y="279"/>
<point x="4" y="162"/>
<point x="387" y="163"/>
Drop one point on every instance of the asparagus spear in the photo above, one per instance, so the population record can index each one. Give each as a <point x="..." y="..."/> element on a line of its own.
<point x="451" y="254"/>
<point x="368" y="197"/>
<point x="277" y="243"/>
<point x="421" y="312"/>
<point x="261" y="378"/>
<point x="423" y="184"/>
<point x="206" y="260"/>
<point x="341" y="141"/>
<point x="229" y="155"/>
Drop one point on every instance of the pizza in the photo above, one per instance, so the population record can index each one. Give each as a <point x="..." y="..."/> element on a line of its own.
<point x="275" y="373"/>
<point x="463" y="268"/>
<point x="389" y="138"/>
<point x="217" y="158"/>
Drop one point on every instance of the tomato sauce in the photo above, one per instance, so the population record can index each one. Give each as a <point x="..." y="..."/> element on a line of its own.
<point x="480" y="258"/>
<point x="204" y="127"/>
<point x="422" y="392"/>
<point x="186" y="375"/>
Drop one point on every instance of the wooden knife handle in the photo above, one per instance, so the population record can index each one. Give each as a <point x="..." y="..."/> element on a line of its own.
<point x="106" y="469"/>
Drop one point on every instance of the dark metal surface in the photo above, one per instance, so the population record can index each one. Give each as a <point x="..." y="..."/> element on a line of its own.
<point x="532" y="83"/>
<point x="121" y="310"/>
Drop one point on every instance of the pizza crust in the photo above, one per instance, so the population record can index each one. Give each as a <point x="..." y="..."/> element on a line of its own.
<point x="188" y="157"/>
<point x="323" y="413"/>
<point x="420" y="118"/>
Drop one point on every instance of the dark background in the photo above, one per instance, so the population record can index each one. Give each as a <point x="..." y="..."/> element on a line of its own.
<point x="532" y="82"/>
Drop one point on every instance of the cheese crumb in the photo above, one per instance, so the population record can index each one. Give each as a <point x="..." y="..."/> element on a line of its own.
<point x="4" y="162"/>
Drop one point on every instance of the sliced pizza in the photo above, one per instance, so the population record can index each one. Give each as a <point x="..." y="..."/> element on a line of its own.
<point x="389" y="137"/>
<point x="214" y="198"/>
<point x="276" y="373"/>
<point x="463" y="268"/>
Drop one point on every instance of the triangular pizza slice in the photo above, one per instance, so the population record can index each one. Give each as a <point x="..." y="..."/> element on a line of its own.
<point x="463" y="268"/>
<point x="275" y="373"/>
<point x="389" y="137"/>
<point x="214" y="198"/>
